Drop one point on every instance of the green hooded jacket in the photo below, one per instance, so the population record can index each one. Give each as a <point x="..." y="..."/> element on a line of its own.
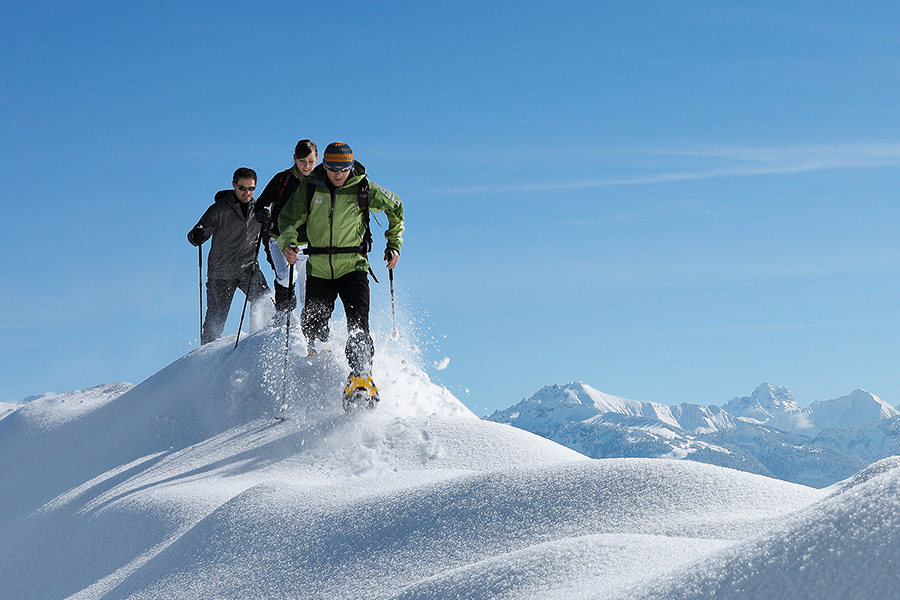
<point x="334" y="220"/>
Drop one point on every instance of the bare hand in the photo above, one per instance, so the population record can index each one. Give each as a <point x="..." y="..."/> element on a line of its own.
<point x="290" y="253"/>
<point x="392" y="257"/>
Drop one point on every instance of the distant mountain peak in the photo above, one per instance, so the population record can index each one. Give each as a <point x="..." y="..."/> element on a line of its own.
<point x="857" y="408"/>
<point x="575" y="402"/>
<point x="767" y="402"/>
<point x="571" y="393"/>
<point x="765" y="432"/>
<point x="861" y="396"/>
<point x="776" y="397"/>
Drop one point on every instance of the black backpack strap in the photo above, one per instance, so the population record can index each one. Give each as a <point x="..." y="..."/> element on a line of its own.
<point x="362" y="198"/>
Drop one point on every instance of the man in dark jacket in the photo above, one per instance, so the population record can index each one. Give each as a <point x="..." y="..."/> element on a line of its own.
<point x="233" y="222"/>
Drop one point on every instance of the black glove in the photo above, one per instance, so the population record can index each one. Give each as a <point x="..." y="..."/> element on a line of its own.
<point x="264" y="216"/>
<point x="195" y="235"/>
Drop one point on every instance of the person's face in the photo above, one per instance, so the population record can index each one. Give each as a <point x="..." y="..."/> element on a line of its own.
<point x="338" y="178"/>
<point x="306" y="165"/>
<point x="244" y="188"/>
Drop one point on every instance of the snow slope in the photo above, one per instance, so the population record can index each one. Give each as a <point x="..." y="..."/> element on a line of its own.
<point x="7" y="408"/>
<point x="185" y="487"/>
<point x="839" y="548"/>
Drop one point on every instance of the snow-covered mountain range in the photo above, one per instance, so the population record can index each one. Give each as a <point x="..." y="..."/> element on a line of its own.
<point x="766" y="432"/>
<point x="185" y="486"/>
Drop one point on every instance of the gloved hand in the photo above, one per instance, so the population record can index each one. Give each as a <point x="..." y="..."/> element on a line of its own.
<point x="264" y="216"/>
<point x="195" y="235"/>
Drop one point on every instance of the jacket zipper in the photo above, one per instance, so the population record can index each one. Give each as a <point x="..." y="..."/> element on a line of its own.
<point x="331" y="231"/>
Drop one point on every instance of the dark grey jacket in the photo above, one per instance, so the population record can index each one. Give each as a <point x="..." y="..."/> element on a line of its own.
<point x="233" y="250"/>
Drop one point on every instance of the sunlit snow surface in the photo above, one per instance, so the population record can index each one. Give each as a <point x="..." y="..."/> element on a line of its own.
<point x="185" y="486"/>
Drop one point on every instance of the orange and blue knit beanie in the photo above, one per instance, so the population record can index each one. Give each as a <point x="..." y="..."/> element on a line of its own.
<point x="338" y="155"/>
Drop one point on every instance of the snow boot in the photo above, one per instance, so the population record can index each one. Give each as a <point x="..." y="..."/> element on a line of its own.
<point x="285" y="302"/>
<point x="285" y="299"/>
<point x="314" y="348"/>
<point x="360" y="392"/>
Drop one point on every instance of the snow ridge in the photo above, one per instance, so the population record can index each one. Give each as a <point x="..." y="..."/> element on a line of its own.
<point x="185" y="486"/>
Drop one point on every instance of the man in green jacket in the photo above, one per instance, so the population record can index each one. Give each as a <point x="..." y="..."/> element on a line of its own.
<point x="330" y="212"/>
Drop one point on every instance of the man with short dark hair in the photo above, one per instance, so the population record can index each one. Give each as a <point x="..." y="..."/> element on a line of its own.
<point x="330" y="212"/>
<point x="233" y="223"/>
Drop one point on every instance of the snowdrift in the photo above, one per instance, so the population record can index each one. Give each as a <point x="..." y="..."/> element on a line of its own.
<point x="186" y="487"/>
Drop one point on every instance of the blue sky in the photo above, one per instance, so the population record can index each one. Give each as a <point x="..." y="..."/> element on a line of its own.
<point x="670" y="201"/>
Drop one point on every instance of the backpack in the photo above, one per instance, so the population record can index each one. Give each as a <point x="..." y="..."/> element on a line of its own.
<point x="283" y="190"/>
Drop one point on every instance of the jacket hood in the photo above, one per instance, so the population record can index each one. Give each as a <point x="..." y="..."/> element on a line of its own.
<point x="222" y="196"/>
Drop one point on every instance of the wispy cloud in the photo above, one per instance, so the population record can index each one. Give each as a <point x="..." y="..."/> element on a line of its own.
<point x="795" y="159"/>
<point x="739" y="161"/>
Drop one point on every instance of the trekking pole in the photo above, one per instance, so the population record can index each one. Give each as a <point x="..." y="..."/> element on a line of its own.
<point x="200" y="251"/>
<point x="287" y="349"/>
<point x="395" y="333"/>
<point x="249" y="289"/>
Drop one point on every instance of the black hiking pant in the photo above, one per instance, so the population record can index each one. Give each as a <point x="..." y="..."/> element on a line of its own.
<point x="353" y="290"/>
<point x="220" y="293"/>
